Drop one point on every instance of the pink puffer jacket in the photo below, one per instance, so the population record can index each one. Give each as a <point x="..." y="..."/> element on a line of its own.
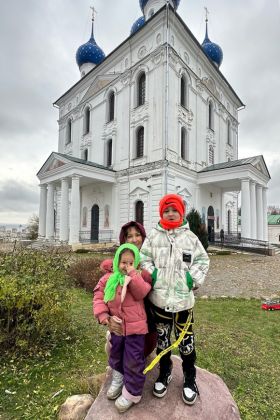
<point x="131" y="311"/>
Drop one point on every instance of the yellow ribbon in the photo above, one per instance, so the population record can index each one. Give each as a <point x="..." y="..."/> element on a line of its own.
<point x="173" y="346"/>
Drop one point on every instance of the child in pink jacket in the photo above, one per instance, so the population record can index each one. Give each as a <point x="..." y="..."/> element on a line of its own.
<point x="120" y="295"/>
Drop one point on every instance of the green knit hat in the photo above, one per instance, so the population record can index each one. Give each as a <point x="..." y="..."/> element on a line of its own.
<point x="117" y="277"/>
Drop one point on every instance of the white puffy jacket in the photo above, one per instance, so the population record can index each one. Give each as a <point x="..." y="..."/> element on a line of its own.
<point x="177" y="261"/>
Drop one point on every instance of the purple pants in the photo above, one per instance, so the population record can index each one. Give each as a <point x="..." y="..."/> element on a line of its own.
<point x="127" y="357"/>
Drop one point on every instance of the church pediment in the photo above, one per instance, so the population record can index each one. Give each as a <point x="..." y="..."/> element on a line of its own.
<point x="184" y="192"/>
<point x="99" y="83"/>
<point x="53" y="162"/>
<point x="138" y="192"/>
<point x="260" y="165"/>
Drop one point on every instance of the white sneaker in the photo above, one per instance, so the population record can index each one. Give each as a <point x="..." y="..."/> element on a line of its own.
<point x="116" y="385"/>
<point x="122" y="404"/>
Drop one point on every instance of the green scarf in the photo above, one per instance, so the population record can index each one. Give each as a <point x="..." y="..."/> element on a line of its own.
<point x="118" y="278"/>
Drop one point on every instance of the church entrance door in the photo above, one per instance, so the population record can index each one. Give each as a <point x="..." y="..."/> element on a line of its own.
<point x="211" y="224"/>
<point x="94" y="233"/>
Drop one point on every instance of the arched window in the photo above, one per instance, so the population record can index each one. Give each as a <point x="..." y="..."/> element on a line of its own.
<point x="183" y="92"/>
<point x="141" y="89"/>
<point x="87" y="120"/>
<point x="139" y="212"/>
<point x="84" y="217"/>
<point x="85" y="154"/>
<point x="68" y="131"/>
<point x="228" y="132"/>
<point x="109" y="153"/>
<point x="111" y="107"/>
<point x="211" y="155"/>
<point x="210" y="116"/>
<point x="184" y="144"/>
<point x="140" y="142"/>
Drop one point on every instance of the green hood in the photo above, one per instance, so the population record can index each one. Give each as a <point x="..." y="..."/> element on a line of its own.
<point x="117" y="277"/>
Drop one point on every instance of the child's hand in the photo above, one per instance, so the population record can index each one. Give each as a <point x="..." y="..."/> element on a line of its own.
<point x="127" y="280"/>
<point x="129" y="268"/>
<point x="105" y="321"/>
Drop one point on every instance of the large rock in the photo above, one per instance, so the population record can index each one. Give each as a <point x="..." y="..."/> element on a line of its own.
<point x="75" y="407"/>
<point x="214" y="403"/>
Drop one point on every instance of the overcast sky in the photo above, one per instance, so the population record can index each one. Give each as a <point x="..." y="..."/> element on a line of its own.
<point x="38" y="42"/>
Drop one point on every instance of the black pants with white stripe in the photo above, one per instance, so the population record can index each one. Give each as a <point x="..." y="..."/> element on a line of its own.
<point x="165" y="321"/>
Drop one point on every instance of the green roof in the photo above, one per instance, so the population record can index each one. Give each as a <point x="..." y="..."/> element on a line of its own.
<point x="273" y="219"/>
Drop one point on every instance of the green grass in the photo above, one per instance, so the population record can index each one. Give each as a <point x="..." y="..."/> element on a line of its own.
<point x="235" y="339"/>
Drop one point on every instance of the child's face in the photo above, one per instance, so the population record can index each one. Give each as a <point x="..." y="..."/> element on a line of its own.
<point x="134" y="237"/>
<point x="171" y="214"/>
<point x="126" y="261"/>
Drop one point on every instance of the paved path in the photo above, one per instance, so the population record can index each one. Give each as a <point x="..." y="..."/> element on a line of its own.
<point x="242" y="275"/>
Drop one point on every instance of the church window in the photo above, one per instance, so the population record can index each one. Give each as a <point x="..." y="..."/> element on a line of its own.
<point x="69" y="131"/>
<point x="106" y="216"/>
<point x="210" y="116"/>
<point x="139" y="212"/>
<point x="111" y="107"/>
<point x="183" y="92"/>
<point x="184" y="144"/>
<point x="211" y="155"/>
<point x="84" y="217"/>
<point x="229" y="133"/>
<point x="86" y="154"/>
<point x="87" y="120"/>
<point x="109" y="153"/>
<point x="140" y="142"/>
<point x="141" y="89"/>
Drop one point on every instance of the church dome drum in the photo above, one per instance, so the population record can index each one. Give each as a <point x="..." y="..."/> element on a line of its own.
<point x="143" y="3"/>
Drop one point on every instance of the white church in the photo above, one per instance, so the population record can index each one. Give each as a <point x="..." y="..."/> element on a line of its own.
<point x="155" y="116"/>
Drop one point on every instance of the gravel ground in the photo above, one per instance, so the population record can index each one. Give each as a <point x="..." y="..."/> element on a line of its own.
<point x="242" y="275"/>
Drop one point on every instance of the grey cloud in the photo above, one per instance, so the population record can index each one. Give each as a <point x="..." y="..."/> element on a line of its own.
<point x="16" y="196"/>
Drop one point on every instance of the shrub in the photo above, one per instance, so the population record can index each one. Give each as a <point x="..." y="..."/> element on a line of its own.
<point x="197" y="227"/>
<point x="34" y="298"/>
<point x="86" y="272"/>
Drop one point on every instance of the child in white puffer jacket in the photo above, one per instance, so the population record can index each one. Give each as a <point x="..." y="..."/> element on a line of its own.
<point x="178" y="263"/>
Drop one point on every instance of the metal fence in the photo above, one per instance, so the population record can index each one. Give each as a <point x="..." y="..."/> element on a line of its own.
<point x="105" y="235"/>
<point x="235" y="240"/>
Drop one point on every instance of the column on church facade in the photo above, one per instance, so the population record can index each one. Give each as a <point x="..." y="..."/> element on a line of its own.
<point x="259" y="197"/>
<point x="253" y="210"/>
<point x="42" y="211"/>
<point x="245" y="209"/>
<point x="64" y="211"/>
<point x="74" y="234"/>
<point x="50" y="212"/>
<point x="265" y="227"/>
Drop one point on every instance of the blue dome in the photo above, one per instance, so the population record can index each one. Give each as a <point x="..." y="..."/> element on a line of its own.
<point x="137" y="25"/>
<point x="143" y="3"/>
<point x="89" y="52"/>
<point x="212" y="50"/>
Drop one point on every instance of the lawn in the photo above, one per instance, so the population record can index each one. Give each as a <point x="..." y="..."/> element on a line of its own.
<point x="235" y="339"/>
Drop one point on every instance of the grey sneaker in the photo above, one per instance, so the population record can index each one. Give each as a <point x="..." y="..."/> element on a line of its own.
<point x="122" y="404"/>
<point x="116" y="385"/>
